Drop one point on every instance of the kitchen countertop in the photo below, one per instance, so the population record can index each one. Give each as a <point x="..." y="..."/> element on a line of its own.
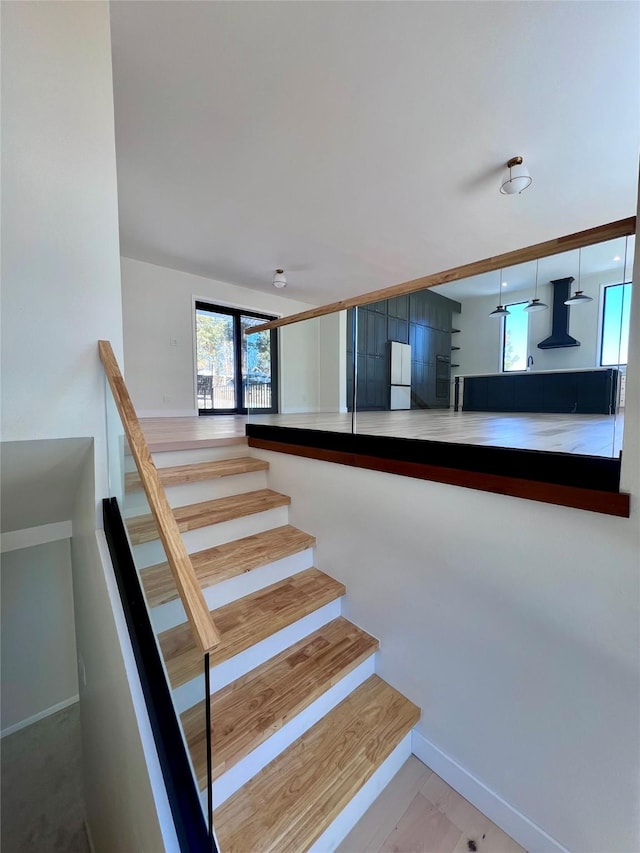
<point x="535" y="372"/>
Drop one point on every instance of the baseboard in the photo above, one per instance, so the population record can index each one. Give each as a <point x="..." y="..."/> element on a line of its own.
<point x="39" y="716"/>
<point x="509" y="819"/>
<point x="167" y="413"/>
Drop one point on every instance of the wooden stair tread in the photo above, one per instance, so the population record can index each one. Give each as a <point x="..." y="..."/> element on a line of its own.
<point x="142" y="528"/>
<point x="289" y="804"/>
<point x="159" y="444"/>
<point x="197" y="472"/>
<point x="221" y="562"/>
<point x="248" y="711"/>
<point x="247" y="621"/>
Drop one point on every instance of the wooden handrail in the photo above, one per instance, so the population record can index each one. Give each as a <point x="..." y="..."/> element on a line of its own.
<point x="579" y="240"/>
<point x="200" y="620"/>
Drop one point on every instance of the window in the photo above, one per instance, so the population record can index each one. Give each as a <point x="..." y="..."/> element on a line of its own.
<point x="615" y="324"/>
<point x="515" y="338"/>
<point x="235" y="373"/>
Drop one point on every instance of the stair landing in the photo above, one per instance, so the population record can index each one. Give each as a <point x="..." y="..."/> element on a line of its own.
<point x="194" y="432"/>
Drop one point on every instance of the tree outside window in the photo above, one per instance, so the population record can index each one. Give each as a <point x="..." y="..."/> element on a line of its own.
<point x="515" y="338"/>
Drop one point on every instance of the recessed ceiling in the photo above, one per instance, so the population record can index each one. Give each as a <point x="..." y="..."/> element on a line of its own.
<point x="358" y="145"/>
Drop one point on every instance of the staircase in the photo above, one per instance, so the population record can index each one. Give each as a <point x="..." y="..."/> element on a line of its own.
<point x="304" y="734"/>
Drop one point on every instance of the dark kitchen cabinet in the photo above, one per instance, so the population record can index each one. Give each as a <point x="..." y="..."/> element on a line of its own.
<point x="424" y="321"/>
<point x="588" y="392"/>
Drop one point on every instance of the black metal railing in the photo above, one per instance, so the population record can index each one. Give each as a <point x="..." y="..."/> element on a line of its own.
<point x="193" y="831"/>
<point x="257" y="395"/>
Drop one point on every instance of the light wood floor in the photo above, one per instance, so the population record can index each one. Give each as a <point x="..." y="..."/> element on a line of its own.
<point x="597" y="435"/>
<point x="184" y="433"/>
<point x="419" y="813"/>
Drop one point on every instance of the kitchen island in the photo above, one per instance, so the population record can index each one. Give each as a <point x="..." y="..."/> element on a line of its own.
<point x="586" y="391"/>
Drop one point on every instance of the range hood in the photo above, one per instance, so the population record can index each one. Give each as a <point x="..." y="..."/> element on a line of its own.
<point x="560" y="336"/>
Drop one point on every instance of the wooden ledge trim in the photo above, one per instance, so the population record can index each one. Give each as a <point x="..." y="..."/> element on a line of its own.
<point x="607" y="503"/>
<point x="579" y="240"/>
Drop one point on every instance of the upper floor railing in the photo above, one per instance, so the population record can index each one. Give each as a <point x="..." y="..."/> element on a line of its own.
<point x="472" y="368"/>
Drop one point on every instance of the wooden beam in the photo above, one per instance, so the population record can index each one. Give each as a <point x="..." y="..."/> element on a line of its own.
<point x="579" y="240"/>
<point x="204" y="631"/>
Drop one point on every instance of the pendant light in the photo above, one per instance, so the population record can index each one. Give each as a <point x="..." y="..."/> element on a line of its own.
<point x="501" y="310"/>
<point x="578" y="298"/>
<point x="535" y="304"/>
<point x="279" y="279"/>
<point x="517" y="177"/>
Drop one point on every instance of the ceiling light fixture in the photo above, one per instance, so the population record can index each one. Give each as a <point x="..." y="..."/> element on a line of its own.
<point x="535" y="304"/>
<point x="516" y="179"/>
<point x="279" y="279"/>
<point x="500" y="311"/>
<point x="578" y="298"/>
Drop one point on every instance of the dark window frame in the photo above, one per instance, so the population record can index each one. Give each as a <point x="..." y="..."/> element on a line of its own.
<point x="237" y="314"/>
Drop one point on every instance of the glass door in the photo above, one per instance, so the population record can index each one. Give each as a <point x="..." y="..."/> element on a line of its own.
<point x="215" y="349"/>
<point x="234" y="372"/>
<point x="258" y="387"/>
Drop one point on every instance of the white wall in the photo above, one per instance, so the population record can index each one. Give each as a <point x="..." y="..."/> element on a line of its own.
<point x="332" y="367"/>
<point x="38" y="636"/>
<point x="60" y="294"/>
<point x="60" y="258"/>
<point x="313" y="365"/>
<point x="512" y="624"/>
<point x="158" y="318"/>
<point x="300" y="367"/>
<point x="480" y="338"/>
<point x="124" y="798"/>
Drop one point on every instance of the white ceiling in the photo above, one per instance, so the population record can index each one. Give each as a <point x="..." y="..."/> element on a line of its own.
<point x="360" y="144"/>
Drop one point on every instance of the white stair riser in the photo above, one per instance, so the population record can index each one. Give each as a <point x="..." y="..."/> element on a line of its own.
<point x="203" y="490"/>
<point x="351" y="814"/>
<point x="170" y="458"/>
<point x="237" y="528"/>
<point x="235" y="778"/>
<point x="168" y="615"/>
<point x="150" y="553"/>
<point x="190" y="693"/>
